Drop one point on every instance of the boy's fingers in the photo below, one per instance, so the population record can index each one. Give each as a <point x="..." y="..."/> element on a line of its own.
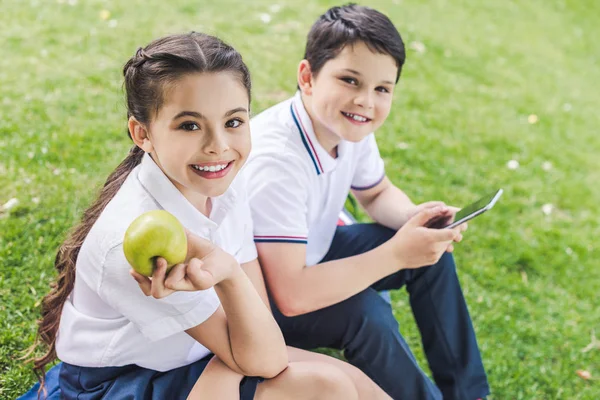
<point x="443" y="235"/>
<point x="432" y="204"/>
<point x="424" y="216"/>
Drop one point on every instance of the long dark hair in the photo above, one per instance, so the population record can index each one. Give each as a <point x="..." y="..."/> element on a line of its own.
<point x="146" y="74"/>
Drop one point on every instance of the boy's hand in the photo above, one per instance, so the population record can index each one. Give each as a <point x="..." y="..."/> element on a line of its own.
<point x="416" y="245"/>
<point x="206" y="266"/>
<point x="446" y="216"/>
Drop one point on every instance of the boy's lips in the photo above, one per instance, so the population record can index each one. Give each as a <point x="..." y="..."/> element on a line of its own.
<point x="212" y="170"/>
<point x="356" y="118"/>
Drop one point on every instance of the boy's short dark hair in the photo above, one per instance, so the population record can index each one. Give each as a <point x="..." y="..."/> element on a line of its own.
<point x="346" y="25"/>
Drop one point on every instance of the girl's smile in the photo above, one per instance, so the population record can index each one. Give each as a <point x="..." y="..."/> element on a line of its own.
<point x="214" y="170"/>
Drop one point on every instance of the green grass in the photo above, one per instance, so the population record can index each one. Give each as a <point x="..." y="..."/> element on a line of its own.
<point x="460" y="114"/>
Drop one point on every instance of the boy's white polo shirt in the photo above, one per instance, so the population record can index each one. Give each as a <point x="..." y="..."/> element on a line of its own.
<point x="296" y="188"/>
<point x="107" y="320"/>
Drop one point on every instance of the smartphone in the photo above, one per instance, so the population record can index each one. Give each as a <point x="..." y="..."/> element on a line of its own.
<point x="475" y="209"/>
<point x="469" y="212"/>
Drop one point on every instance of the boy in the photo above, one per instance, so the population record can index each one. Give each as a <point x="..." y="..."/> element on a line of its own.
<point x="308" y="153"/>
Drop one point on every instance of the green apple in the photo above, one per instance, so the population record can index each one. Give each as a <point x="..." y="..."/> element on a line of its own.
<point x="154" y="234"/>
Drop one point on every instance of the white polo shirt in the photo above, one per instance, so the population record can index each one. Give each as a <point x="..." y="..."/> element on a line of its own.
<point x="107" y="320"/>
<point x="296" y="188"/>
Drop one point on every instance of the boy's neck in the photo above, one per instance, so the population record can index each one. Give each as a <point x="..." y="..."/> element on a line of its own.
<point x="327" y="139"/>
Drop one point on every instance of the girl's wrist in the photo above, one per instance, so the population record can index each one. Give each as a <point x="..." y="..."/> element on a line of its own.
<point x="235" y="275"/>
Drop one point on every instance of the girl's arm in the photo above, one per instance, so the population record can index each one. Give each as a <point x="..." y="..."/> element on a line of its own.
<point x="252" y="269"/>
<point x="243" y="333"/>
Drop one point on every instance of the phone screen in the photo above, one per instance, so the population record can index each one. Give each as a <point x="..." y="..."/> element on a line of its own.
<point x="474" y="209"/>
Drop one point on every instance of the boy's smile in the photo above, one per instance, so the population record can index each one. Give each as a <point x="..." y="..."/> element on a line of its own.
<point x="356" y="118"/>
<point x="351" y="95"/>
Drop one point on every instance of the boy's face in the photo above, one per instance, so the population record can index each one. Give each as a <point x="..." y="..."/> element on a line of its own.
<point x="200" y="137"/>
<point x="351" y="96"/>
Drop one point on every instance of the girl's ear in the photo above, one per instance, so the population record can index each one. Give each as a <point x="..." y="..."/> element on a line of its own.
<point x="305" y="77"/>
<point x="139" y="135"/>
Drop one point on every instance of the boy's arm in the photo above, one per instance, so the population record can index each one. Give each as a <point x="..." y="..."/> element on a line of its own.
<point x="386" y="204"/>
<point x="298" y="289"/>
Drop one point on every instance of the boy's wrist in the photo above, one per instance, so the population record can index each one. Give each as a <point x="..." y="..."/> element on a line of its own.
<point x="388" y="252"/>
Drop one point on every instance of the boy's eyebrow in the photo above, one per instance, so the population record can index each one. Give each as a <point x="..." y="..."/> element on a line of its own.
<point x="352" y="71"/>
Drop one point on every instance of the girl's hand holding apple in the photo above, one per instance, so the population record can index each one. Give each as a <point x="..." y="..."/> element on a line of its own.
<point x="207" y="265"/>
<point x="155" y="245"/>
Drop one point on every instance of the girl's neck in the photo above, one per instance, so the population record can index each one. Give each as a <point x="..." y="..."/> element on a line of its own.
<point x="205" y="207"/>
<point x="327" y="139"/>
<point x="200" y="202"/>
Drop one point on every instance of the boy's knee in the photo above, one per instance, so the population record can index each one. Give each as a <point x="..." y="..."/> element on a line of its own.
<point x="372" y="322"/>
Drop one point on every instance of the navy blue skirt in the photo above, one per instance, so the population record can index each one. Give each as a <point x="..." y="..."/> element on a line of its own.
<point x="136" y="383"/>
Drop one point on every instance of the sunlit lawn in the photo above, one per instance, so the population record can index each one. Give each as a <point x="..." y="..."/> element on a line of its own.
<point x="485" y="83"/>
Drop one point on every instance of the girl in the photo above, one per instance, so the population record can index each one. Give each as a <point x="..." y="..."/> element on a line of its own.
<point x="188" y="102"/>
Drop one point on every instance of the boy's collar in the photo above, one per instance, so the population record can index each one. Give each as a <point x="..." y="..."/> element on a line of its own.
<point x="156" y="183"/>
<point x="322" y="160"/>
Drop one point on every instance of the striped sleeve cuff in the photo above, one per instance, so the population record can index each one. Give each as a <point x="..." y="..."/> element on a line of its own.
<point x="280" y="239"/>
<point x="367" y="187"/>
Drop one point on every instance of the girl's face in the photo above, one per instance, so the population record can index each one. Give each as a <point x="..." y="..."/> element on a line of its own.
<point x="200" y="137"/>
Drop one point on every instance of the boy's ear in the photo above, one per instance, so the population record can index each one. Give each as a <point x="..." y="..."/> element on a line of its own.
<point x="305" y="77"/>
<point x="139" y="135"/>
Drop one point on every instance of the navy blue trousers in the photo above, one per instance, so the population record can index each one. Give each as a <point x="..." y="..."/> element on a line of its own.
<point x="364" y="327"/>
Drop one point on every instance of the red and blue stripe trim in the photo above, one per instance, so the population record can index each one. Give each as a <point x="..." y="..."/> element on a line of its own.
<point x="280" y="239"/>
<point x="306" y="140"/>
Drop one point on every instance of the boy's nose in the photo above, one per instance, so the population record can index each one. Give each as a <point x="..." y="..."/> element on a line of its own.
<point x="364" y="100"/>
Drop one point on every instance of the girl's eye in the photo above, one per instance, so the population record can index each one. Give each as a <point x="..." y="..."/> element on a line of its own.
<point x="234" y="123"/>
<point x="349" y="80"/>
<point x="189" y="126"/>
<point x="382" y="89"/>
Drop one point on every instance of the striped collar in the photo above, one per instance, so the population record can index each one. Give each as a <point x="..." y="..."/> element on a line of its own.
<point x="322" y="161"/>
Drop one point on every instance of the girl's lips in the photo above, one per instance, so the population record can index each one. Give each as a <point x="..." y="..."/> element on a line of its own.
<point x="215" y="174"/>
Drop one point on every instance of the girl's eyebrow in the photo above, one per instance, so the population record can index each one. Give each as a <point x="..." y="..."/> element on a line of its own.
<point x="235" y="110"/>
<point x="198" y="115"/>
<point x="189" y="114"/>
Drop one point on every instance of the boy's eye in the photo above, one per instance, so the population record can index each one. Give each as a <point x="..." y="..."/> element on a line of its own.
<point x="349" y="80"/>
<point x="189" y="126"/>
<point x="382" y="89"/>
<point x="234" y="123"/>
